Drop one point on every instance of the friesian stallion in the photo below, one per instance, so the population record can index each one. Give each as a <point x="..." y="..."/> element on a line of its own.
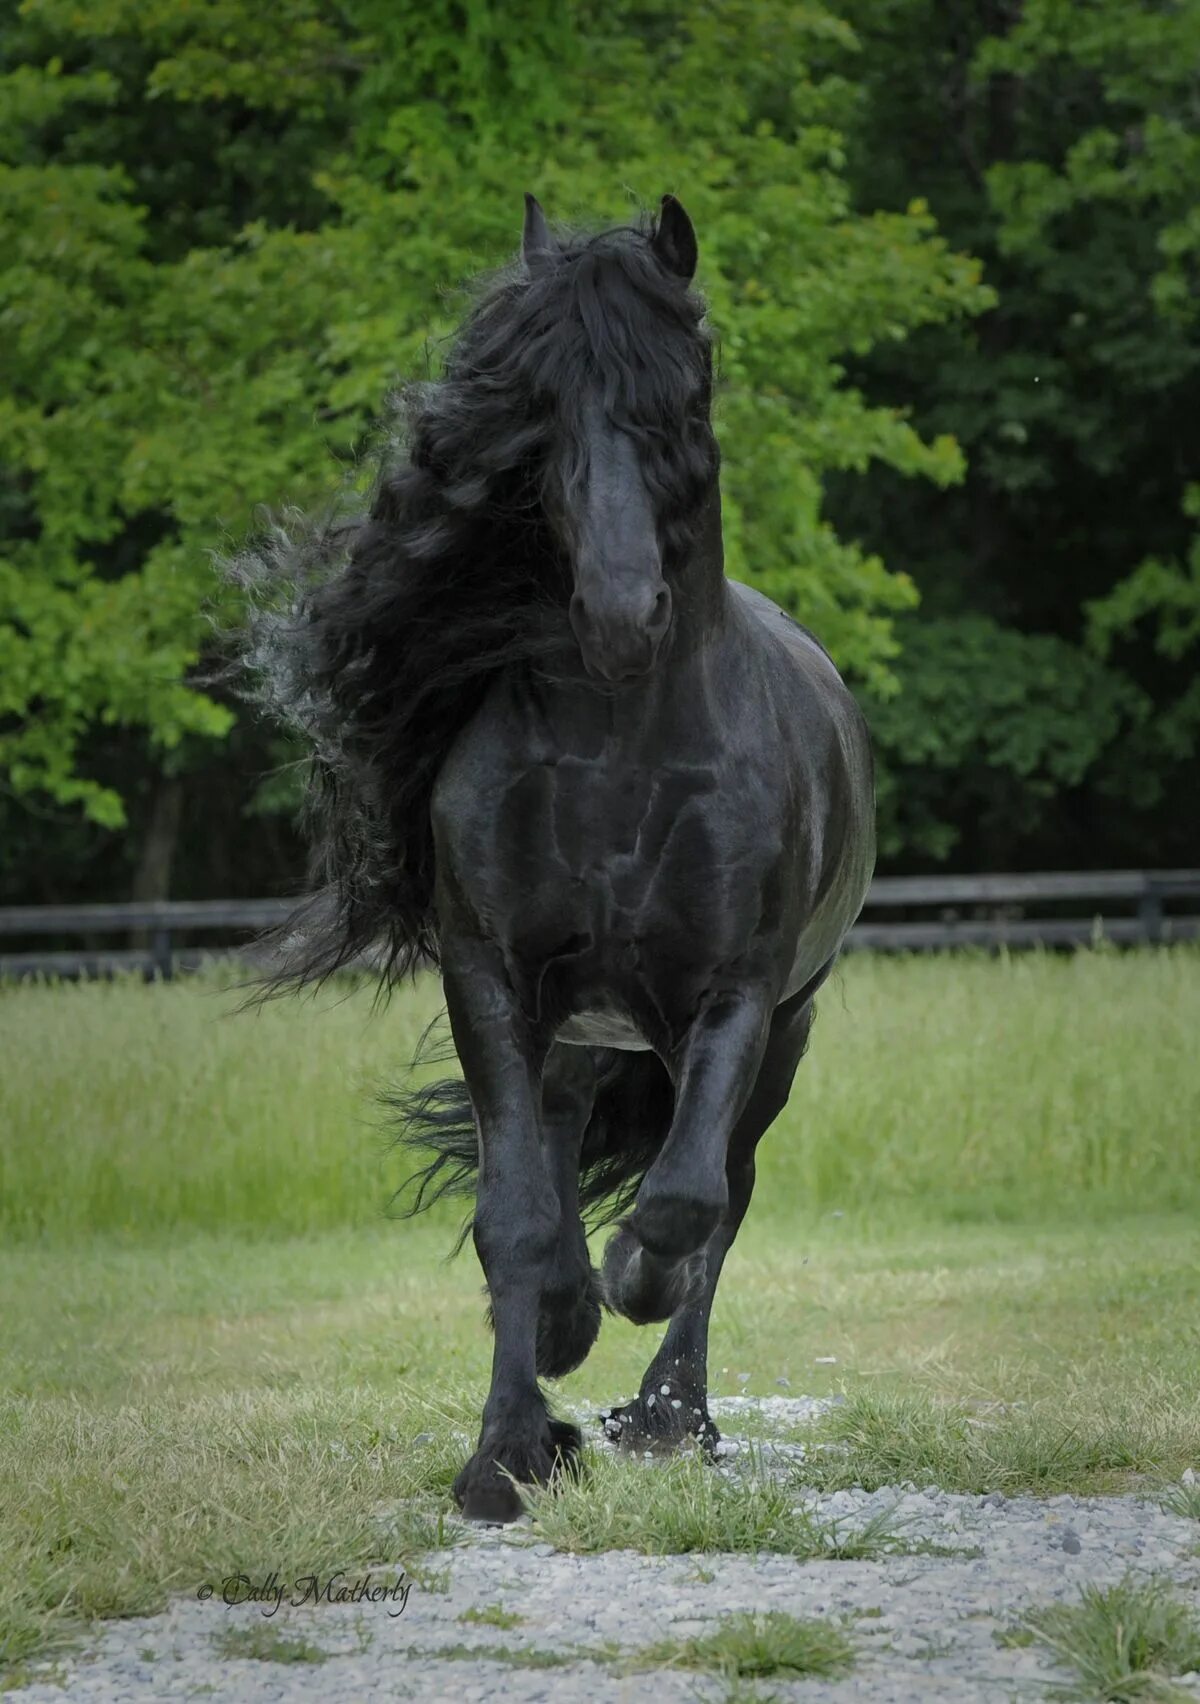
<point x="624" y="802"/>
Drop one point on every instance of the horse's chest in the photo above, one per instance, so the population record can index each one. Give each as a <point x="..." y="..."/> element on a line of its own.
<point x="609" y="843"/>
<point x="615" y="873"/>
<point x="607" y="826"/>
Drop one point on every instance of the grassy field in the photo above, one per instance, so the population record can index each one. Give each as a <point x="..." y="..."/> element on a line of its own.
<point x="218" y="1356"/>
<point x="971" y="1088"/>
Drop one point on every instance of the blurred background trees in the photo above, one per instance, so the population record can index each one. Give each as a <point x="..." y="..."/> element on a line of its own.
<point x="1050" y="705"/>
<point x="951" y="255"/>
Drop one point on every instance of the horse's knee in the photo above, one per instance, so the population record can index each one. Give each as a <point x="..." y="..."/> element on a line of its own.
<point x="512" y="1239"/>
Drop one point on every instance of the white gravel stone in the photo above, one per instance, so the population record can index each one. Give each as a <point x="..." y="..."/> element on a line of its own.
<point x="923" y="1626"/>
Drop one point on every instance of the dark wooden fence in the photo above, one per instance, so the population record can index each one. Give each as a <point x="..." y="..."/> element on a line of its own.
<point x="902" y="913"/>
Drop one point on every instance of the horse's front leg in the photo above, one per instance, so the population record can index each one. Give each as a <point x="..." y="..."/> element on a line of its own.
<point x="569" y="1317"/>
<point x="516" y="1232"/>
<point x="672" y="1403"/>
<point x="655" y="1263"/>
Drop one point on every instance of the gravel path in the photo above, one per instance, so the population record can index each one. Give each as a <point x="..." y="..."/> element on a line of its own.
<point x="923" y="1626"/>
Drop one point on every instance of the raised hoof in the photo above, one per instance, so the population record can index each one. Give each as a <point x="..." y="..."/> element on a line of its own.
<point x="653" y="1422"/>
<point x="568" y="1325"/>
<point x="487" y="1491"/>
<point x="644" y="1288"/>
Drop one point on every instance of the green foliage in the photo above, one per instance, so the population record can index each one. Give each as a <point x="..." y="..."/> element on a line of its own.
<point x="1162" y="598"/>
<point x="768" y="1645"/>
<point x="1058" y="142"/>
<point x="174" y="1414"/>
<point x="1135" y="163"/>
<point x="685" y="1508"/>
<point x="880" y="1438"/>
<point x="1125" y="1643"/>
<point x="226" y="231"/>
<point x="977" y="1088"/>
<point x="1167" y="592"/>
<point x="256" y="1642"/>
<point x="988" y="725"/>
<point x="492" y="1615"/>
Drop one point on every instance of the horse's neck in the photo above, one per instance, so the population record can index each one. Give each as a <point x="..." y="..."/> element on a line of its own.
<point x="703" y="602"/>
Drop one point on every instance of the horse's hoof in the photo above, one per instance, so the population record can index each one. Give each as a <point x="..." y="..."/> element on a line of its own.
<point x="487" y="1488"/>
<point x="644" y="1288"/>
<point x="493" y="1501"/>
<point x="652" y="1421"/>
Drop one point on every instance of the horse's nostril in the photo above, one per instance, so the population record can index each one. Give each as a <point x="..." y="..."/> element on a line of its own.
<point x="620" y="635"/>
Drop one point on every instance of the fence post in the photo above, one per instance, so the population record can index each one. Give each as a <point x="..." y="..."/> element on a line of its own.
<point x="162" y="960"/>
<point x="1150" y="912"/>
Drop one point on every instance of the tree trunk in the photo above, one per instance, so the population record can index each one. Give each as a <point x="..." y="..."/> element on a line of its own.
<point x="152" y="877"/>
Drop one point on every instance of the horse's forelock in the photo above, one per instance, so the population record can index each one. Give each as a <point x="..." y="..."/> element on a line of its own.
<point x="604" y="314"/>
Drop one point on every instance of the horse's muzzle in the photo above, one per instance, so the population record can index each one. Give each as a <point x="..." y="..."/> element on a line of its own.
<point x="620" y="637"/>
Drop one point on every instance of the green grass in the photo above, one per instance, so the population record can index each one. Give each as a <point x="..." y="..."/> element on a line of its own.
<point x="156" y="1108"/>
<point x="217" y="1358"/>
<point x="492" y="1615"/>
<point x="106" y="1509"/>
<point x="739" y="1647"/>
<point x="175" y="1413"/>
<point x="517" y="1656"/>
<point x="1100" y="1440"/>
<point x="1183" y="1500"/>
<point x="681" y="1506"/>
<point x="1126" y="1644"/>
<point x="965" y="1087"/>
<point x="264" y="1644"/>
<point x="758" y="1647"/>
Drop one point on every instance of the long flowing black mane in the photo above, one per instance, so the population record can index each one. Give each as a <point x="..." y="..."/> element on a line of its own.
<point x="375" y="636"/>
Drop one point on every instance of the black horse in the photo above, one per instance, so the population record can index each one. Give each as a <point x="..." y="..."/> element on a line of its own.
<point x="623" y="801"/>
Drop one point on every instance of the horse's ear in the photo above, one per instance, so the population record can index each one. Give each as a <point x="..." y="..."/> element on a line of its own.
<point x="537" y="245"/>
<point x="674" y="240"/>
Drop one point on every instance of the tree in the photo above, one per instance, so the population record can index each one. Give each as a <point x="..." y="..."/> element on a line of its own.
<point x="117" y="453"/>
<point x="1057" y="141"/>
<point x="179" y="356"/>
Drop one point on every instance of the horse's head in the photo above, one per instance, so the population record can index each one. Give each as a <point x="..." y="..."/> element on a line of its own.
<point x="626" y="378"/>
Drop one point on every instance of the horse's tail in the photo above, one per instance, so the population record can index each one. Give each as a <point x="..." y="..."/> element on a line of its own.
<point x="629" y="1121"/>
<point x="438" y="1122"/>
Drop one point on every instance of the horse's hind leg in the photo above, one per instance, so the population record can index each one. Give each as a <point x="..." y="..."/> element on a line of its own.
<point x="516" y="1232"/>
<point x="569" y="1314"/>
<point x="672" y="1402"/>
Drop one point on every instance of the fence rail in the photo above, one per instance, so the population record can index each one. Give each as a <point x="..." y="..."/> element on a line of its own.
<point x="987" y="911"/>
